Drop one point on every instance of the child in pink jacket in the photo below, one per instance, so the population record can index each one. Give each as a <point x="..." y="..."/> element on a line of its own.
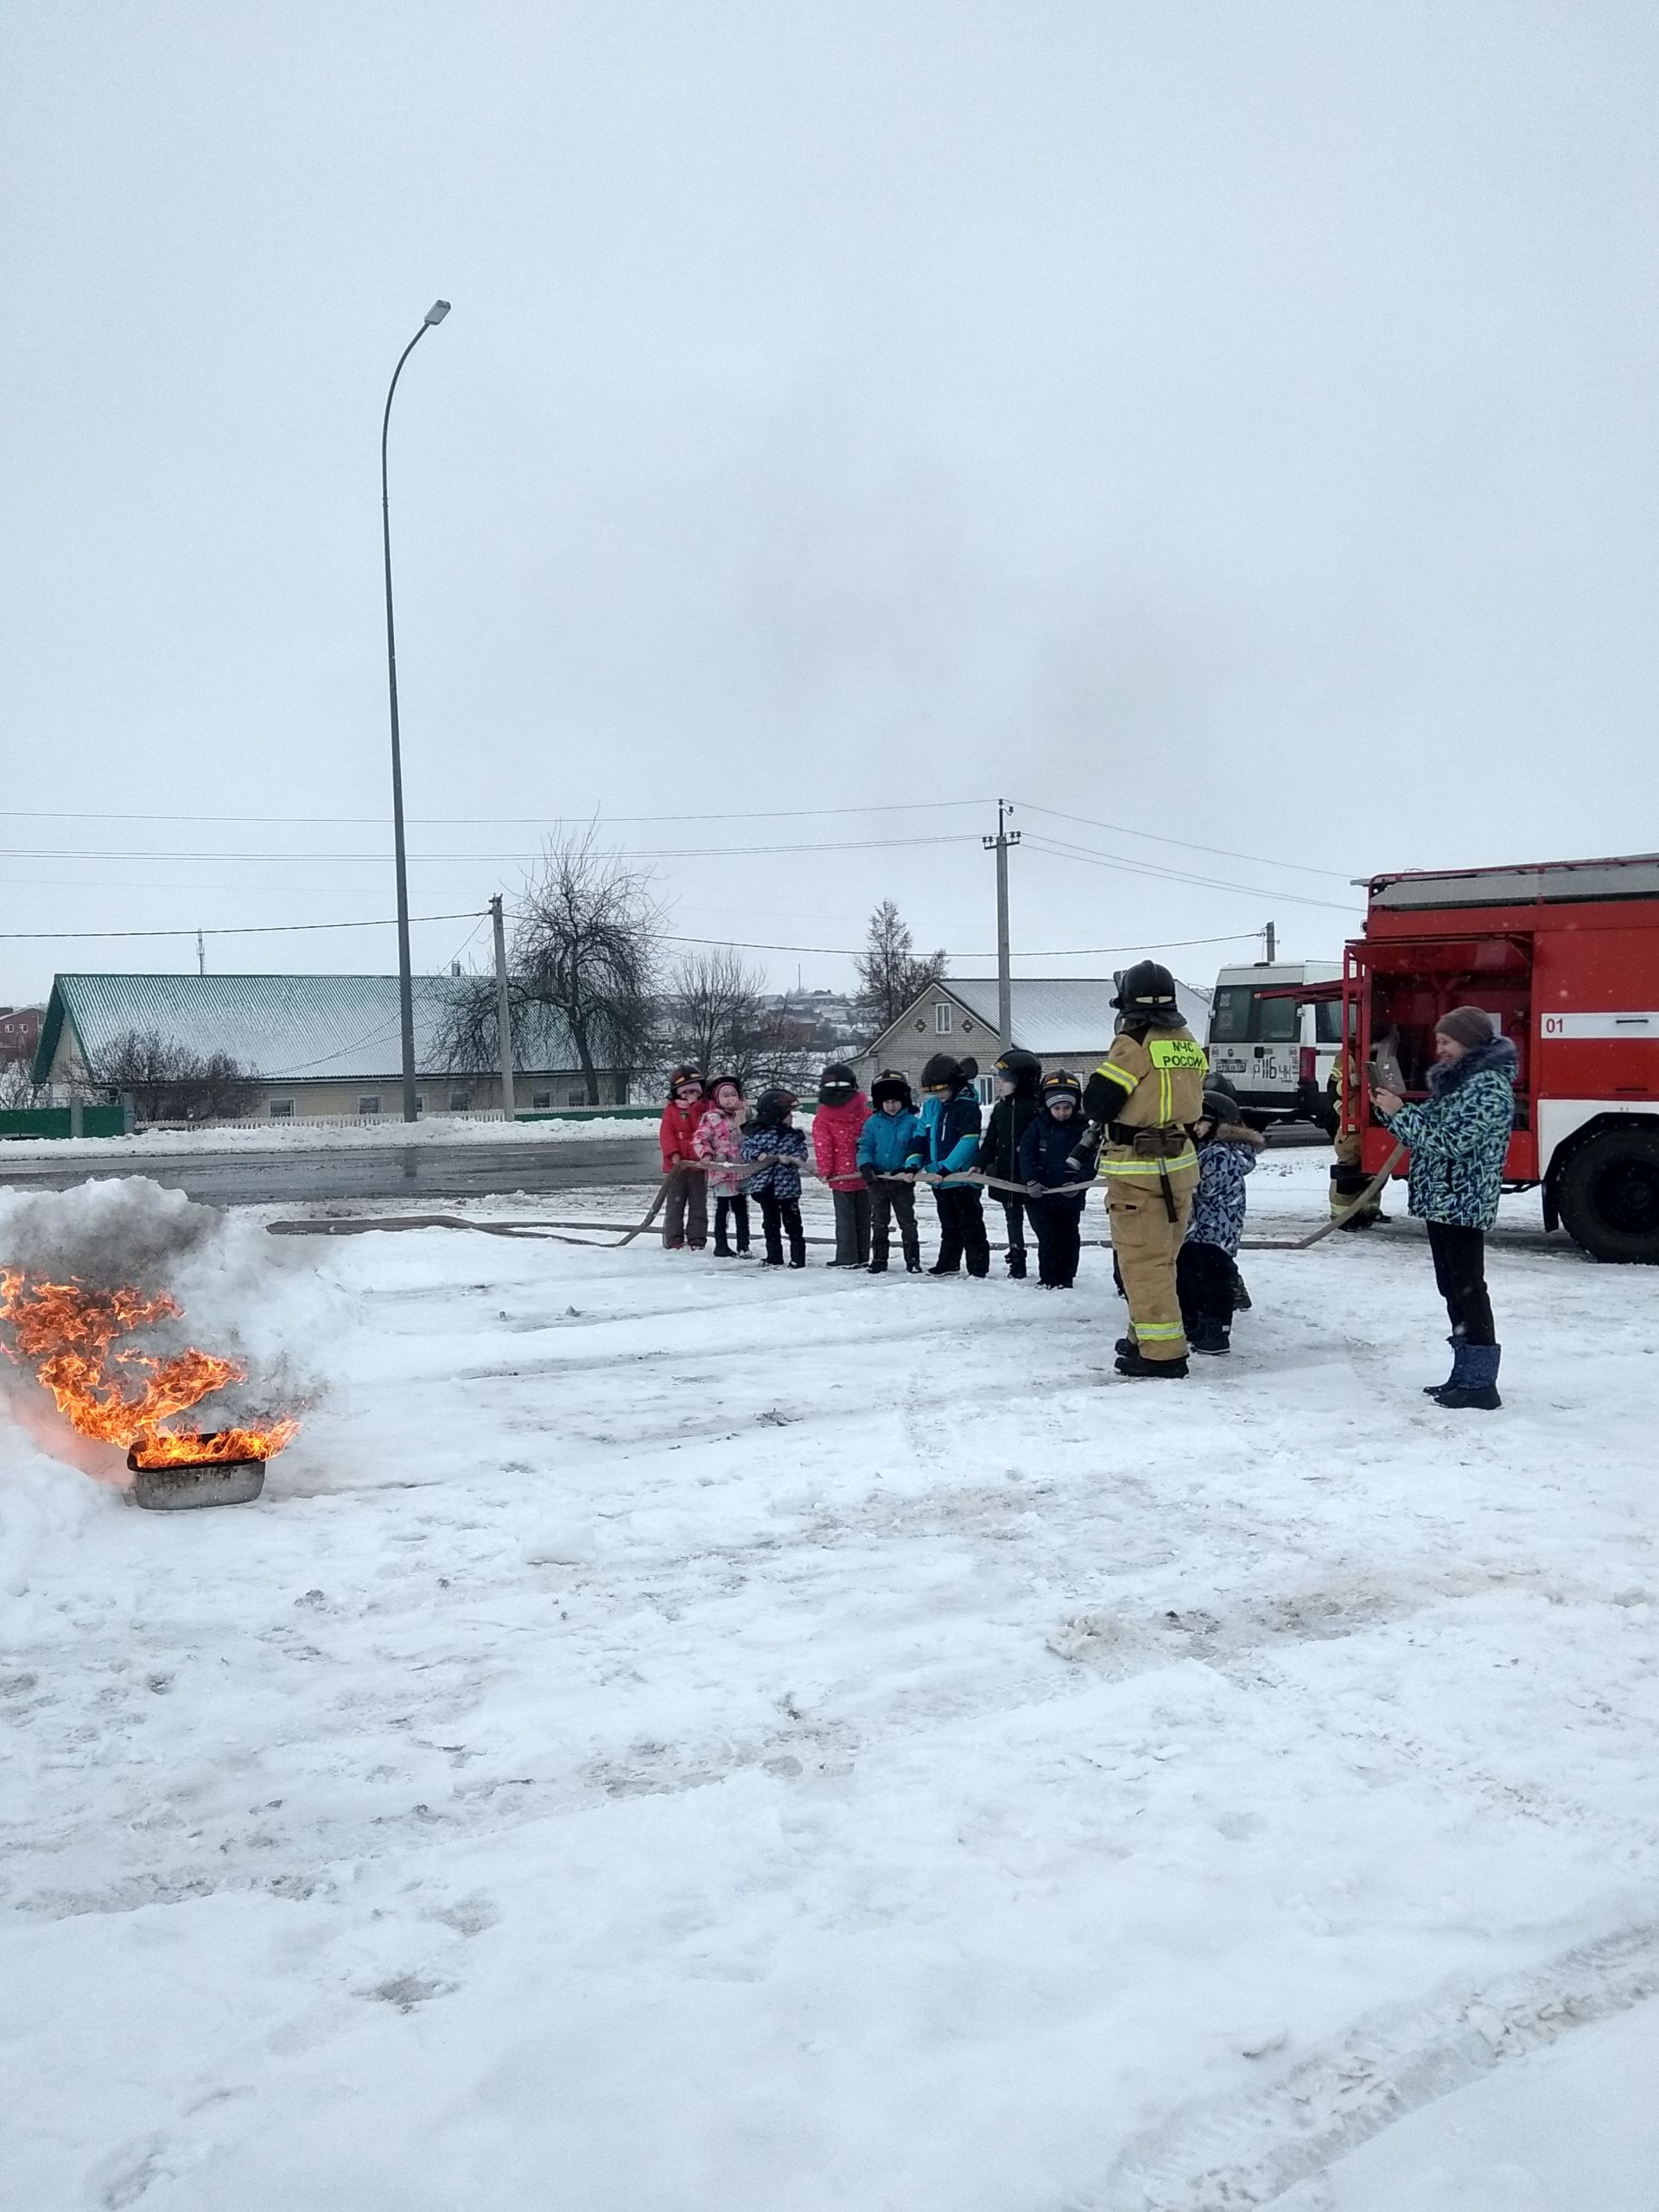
<point x="718" y="1140"/>
<point x="837" y="1128"/>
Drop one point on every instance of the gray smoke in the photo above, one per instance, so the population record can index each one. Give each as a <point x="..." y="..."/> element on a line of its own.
<point x="242" y="1293"/>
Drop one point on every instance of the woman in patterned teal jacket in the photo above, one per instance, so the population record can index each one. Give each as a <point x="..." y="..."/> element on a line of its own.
<point x="1459" y="1137"/>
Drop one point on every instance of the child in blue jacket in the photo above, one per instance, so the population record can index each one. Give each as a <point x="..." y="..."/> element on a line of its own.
<point x="773" y="1137"/>
<point x="889" y="1145"/>
<point x="950" y="1145"/>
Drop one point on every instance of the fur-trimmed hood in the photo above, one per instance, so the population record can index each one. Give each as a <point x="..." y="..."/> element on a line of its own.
<point x="1499" y="1057"/>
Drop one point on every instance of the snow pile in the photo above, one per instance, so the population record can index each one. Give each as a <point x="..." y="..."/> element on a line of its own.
<point x="320" y="1135"/>
<point x="677" y="1738"/>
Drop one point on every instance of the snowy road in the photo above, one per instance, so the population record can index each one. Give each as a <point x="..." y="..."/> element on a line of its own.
<point x="679" y="1738"/>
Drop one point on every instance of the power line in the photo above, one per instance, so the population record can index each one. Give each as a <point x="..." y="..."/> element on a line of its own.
<point x="663" y="853"/>
<point x="488" y="821"/>
<point x="1218" y="852"/>
<point x="1064" y="953"/>
<point x="254" y="929"/>
<point x="1095" y="859"/>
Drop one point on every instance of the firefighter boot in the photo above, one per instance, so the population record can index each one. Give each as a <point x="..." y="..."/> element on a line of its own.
<point x="1474" y="1380"/>
<point x="1142" y="1370"/>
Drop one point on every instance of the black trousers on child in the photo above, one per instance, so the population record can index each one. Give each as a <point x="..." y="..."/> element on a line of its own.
<point x="890" y="1202"/>
<point x="736" y="1211"/>
<point x="852" y="1228"/>
<point x="1207" y="1283"/>
<point x="1460" y="1278"/>
<point x="961" y="1230"/>
<point x="780" y="1217"/>
<point x="1058" y="1224"/>
<point x="1014" y="1213"/>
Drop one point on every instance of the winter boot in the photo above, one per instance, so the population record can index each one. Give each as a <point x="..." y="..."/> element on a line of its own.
<point x="912" y="1267"/>
<point x="1434" y="1390"/>
<point x="1016" y="1266"/>
<point x="913" y="1257"/>
<point x="1151" y="1371"/>
<point x="798" y="1251"/>
<point x="1240" y="1296"/>
<point x="1474" y="1380"/>
<point x="1210" y="1336"/>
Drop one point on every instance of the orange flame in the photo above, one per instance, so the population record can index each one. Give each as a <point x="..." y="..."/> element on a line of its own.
<point x="67" y="1332"/>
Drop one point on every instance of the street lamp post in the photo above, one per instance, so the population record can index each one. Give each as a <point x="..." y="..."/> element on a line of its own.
<point x="433" y="315"/>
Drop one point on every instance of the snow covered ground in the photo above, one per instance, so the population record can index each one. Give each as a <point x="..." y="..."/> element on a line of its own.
<point x="127" y="1155"/>
<point x="679" y="1739"/>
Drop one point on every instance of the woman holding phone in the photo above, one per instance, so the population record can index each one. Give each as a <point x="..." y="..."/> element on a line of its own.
<point x="1458" y="1136"/>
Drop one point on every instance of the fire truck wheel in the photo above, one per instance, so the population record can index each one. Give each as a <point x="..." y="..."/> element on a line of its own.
<point x="1609" y="1195"/>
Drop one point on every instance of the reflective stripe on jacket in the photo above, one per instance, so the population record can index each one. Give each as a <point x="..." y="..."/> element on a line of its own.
<point x="1150" y="1084"/>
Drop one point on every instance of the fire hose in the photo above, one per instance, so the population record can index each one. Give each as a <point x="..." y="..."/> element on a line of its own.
<point x="356" y="1225"/>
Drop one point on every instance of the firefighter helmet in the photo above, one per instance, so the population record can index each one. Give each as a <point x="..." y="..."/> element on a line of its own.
<point x="1021" y="1068"/>
<point x="1146" y="992"/>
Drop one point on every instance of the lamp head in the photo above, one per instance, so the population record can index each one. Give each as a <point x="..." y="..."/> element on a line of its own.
<point x="437" y="312"/>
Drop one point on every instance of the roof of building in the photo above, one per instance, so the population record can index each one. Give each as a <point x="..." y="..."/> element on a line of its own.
<point x="307" y="1028"/>
<point x="1058" y="1013"/>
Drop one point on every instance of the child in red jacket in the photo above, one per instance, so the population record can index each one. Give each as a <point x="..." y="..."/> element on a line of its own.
<point x="685" y="1211"/>
<point x="837" y="1128"/>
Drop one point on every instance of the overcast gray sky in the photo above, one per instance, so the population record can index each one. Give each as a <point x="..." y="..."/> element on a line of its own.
<point x="1236" y="423"/>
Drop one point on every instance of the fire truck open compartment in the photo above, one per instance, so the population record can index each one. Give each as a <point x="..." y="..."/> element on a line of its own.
<point x="1564" y="956"/>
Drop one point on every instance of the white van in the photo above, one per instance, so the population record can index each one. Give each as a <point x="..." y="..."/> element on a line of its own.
<point x="1277" y="1055"/>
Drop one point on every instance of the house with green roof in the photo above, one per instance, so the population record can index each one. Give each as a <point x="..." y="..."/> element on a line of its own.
<point x="314" y="1045"/>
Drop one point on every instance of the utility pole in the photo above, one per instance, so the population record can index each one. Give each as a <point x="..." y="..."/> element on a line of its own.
<point x="201" y="956"/>
<point x="502" y="1010"/>
<point x="1272" y="937"/>
<point x="999" y="845"/>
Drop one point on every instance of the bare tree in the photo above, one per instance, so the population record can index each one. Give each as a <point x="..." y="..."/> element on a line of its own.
<point x="890" y="975"/>
<point x="712" y="1016"/>
<point x="168" y="1081"/>
<point x="585" y="951"/>
<point x="18" y="1088"/>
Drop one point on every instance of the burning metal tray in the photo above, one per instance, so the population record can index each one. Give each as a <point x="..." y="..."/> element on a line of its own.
<point x="195" y="1482"/>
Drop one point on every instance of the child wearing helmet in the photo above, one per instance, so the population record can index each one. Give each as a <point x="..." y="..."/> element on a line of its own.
<point x="1205" y="1276"/>
<point x="949" y="1146"/>
<point x="836" y="1127"/>
<point x="1018" y="1074"/>
<point x="1055" y="1212"/>
<point x="773" y="1139"/>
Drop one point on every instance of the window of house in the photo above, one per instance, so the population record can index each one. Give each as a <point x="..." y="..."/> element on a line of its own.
<point x="280" y="1109"/>
<point x="460" y="1101"/>
<point x="941" y="1019"/>
<point x="419" y="1102"/>
<point x="541" y="1102"/>
<point x="576" y="1098"/>
<point x="369" y="1105"/>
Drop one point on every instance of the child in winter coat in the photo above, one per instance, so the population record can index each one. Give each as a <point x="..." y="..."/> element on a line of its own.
<point x="685" y="1213"/>
<point x="1206" y="1277"/>
<point x="719" y="1141"/>
<point x="886" y="1146"/>
<point x="770" y="1136"/>
<point x="1018" y="1074"/>
<point x="836" y="1127"/>
<point x="950" y="1145"/>
<point x="1056" y="1213"/>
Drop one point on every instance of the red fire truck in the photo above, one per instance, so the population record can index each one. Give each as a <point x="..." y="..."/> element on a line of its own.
<point x="1566" y="956"/>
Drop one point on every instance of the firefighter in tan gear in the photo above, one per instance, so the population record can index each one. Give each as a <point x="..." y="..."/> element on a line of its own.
<point x="1348" y="1178"/>
<point x="1144" y="1097"/>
